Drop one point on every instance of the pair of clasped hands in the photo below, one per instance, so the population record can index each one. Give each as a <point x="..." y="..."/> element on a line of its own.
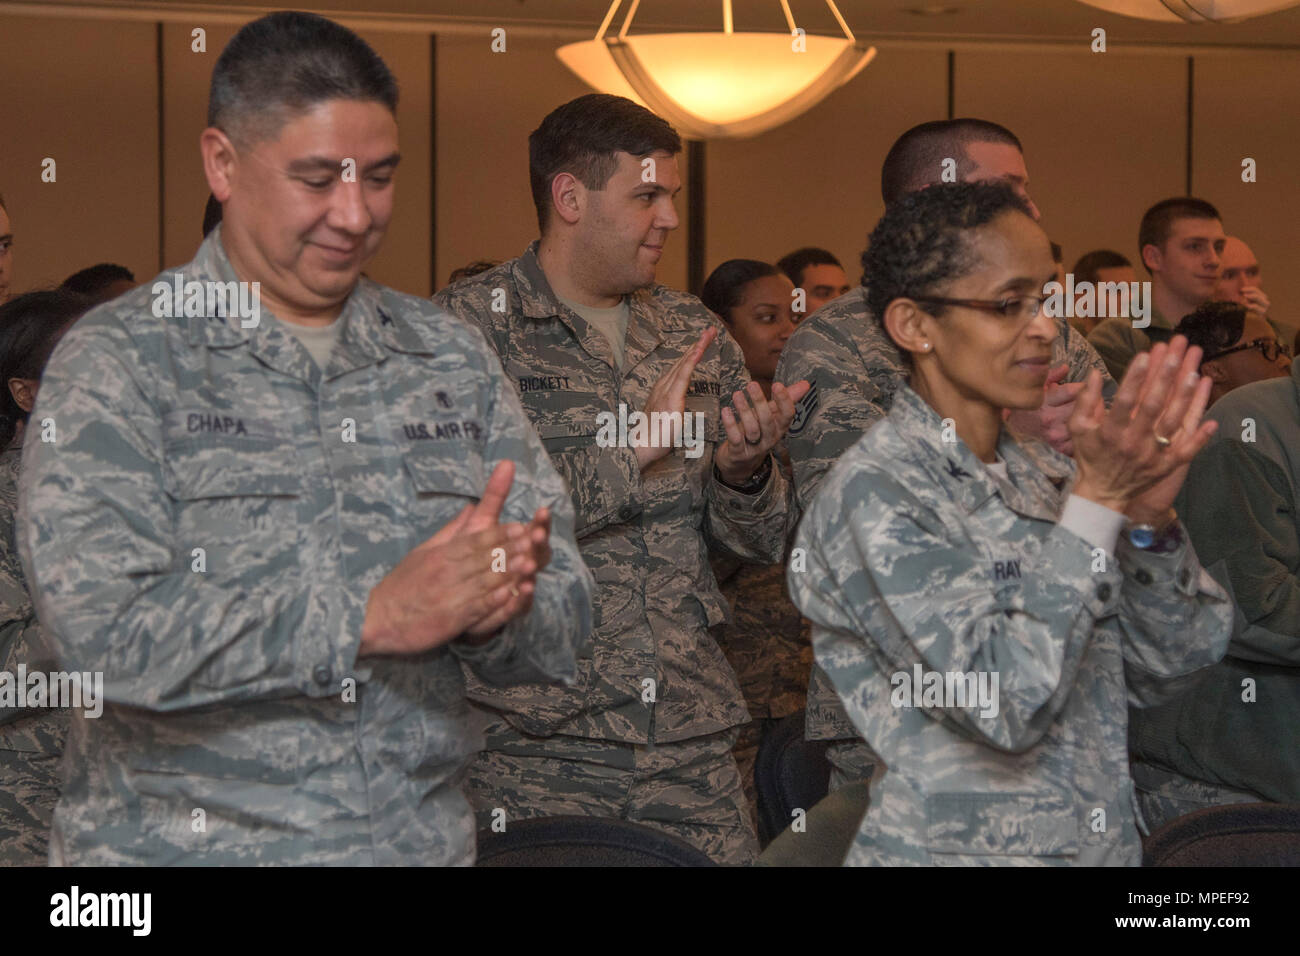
<point x="1134" y="457"/>
<point x="455" y="583"/>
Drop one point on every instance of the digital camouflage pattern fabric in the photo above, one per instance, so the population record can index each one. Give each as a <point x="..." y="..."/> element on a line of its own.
<point x="240" y="726"/>
<point x="645" y="536"/>
<point x="919" y="558"/>
<point x="655" y="675"/>
<point x="855" y="369"/>
<point x="31" y="740"/>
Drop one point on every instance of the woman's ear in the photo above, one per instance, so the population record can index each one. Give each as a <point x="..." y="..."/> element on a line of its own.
<point x="1214" y="371"/>
<point x="909" y="327"/>
<point x="23" y="391"/>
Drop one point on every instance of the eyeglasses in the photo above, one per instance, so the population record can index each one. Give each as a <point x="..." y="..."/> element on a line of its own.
<point x="1026" y="306"/>
<point x="1269" y="348"/>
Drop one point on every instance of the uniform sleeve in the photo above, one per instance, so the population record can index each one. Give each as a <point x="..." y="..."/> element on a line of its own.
<point x="884" y="572"/>
<point x="1174" y="619"/>
<point x="839" y="407"/>
<point x="1114" y="341"/>
<point x="543" y="645"/>
<point x="21" y="639"/>
<point x="1083" y="358"/>
<point x="750" y="527"/>
<point x="1237" y="506"/>
<point x="95" y="535"/>
<point x="604" y="484"/>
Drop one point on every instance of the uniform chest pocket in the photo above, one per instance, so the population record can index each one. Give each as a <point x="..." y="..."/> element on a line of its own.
<point x="234" y="489"/>
<point x="435" y="474"/>
<point x="1041" y="823"/>
<point x="569" y="419"/>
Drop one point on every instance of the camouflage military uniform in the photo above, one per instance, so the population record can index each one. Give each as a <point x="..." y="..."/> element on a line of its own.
<point x="854" y="369"/>
<point x="655" y="678"/>
<point x="920" y="559"/>
<point x="31" y="741"/>
<point x="233" y="686"/>
<point x="767" y="644"/>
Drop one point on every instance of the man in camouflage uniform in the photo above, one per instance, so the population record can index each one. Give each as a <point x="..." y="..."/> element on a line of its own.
<point x="270" y="548"/>
<point x="581" y="328"/>
<point x="854" y="370"/>
<point x="1003" y="572"/>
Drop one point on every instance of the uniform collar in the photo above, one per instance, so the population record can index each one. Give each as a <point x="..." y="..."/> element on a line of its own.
<point x="370" y="328"/>
<point x="537" y="300"/>
<point x="1036" y="474"/>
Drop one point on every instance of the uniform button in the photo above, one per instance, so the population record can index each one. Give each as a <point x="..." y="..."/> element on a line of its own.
<point x="1103" y="592"/>
<point x="626" y="513"/>
<point x="322" y="675"/>
<point x="1143" y="576"/>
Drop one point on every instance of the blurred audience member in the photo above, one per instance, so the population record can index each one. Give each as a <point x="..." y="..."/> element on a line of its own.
<point x="1238" y="346"/>
<point x="102" y="282"/>
<point x="767" y="640"/>
<point x="818" y="273"/>
<point x="31" y="739"/>
<point x="1181" y="241"/>
<point x="1233" y="737"/>
<point x="1240" y="281"/>
<point x="1096" y="267"/>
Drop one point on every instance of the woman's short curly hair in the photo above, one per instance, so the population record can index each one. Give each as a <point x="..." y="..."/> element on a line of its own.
<point x="922" y="240"/>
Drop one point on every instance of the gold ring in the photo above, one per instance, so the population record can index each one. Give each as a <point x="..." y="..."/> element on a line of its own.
<point x="1163" y="442"/>
<point x="753" y="443"/>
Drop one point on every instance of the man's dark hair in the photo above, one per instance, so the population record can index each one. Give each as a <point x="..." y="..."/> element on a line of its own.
<point x="95" y="280"/>
<point x="283" y="64"/>
<point x="924" y="240"/>
<point x="1158" y="221"/>
<point x="211" y="215"/>
<point x="30" y="326"/>
<point x="472" y="269"/>
<point x="916" y="158"/>
<point x="1090" y="264"/>
<point x="794" y="263"/>
<point x="722" y="289"/>
<point x="1214" y="326"/>
<point x="584" y="137"/>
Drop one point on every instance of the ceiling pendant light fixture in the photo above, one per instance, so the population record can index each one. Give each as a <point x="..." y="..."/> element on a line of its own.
<point x="719" y="85"/>
<point x="1192" y="11"/>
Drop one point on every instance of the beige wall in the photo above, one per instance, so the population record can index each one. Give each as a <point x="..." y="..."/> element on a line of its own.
<point x="1246" y="107"/>
<point x="1104" y="137"/>
<point x="95" y="117"/>
<point x="816" y="180"/>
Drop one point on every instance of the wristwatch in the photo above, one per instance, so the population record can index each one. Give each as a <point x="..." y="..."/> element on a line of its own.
<point x="752" y="485"/>
<point x="1162" y="540"/>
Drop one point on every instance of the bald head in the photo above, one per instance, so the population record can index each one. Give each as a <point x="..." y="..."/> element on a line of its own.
<point x="1239" y="271"/>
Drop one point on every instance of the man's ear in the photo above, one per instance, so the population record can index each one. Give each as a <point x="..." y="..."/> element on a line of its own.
<point x="568" y="197"/>
<point x="219" y="162"/>
<point x="909" y="327"/>
<point x="1152" y="257"/>
<point x="23" y="391"/>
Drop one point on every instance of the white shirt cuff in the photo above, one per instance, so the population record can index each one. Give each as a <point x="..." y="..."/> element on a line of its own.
<point x="1098" y="525"/>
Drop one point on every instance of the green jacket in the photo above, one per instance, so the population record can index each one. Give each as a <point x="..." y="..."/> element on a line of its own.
<point x="1241" y="504"/>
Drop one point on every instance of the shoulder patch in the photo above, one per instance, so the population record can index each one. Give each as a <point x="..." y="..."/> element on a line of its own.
<point x="804" y="409"/>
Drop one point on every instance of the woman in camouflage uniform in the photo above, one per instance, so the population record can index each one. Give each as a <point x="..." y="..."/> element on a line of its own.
<point x="31" y="740"/>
